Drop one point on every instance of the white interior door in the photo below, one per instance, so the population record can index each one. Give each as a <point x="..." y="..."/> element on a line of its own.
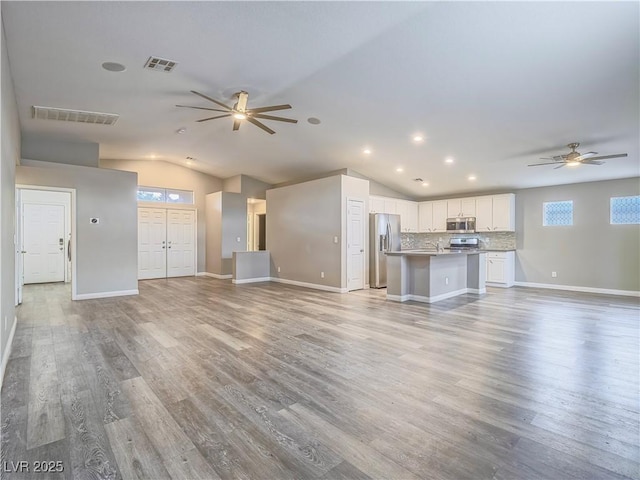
<point x="152" y="245"/>
<point x="18" y="245"/>
<point x="181" y="243"/>
<point x="355" y="244"/>
<point x="44" y="242"/>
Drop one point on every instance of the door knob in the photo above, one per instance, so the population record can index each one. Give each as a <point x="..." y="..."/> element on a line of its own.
<point x="162" y="246"/>
<point x="361" y="250"/>
<point x="23" y="251"/>
<point x="61" y="248"/>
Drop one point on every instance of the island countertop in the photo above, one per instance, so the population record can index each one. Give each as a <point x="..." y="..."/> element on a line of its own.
<point x="432" y="253"/>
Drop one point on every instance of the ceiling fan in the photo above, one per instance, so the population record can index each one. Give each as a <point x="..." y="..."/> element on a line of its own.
<point x="573" y="158"/>
<point x="240" y="112"/>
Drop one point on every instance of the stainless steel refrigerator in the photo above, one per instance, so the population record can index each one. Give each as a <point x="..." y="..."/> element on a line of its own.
<point x="384" y="236"/>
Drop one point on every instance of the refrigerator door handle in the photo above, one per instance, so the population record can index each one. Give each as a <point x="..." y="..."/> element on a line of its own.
<point x="389" y="238"/>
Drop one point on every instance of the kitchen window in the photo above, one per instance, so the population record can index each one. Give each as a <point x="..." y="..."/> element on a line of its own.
<point x="625" y="210"/>
<point x="557" y="213"/>
<point x="164" y="195"/>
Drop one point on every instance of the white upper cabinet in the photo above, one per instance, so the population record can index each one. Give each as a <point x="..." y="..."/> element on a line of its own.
<point x="504" y="212"/>
<point x="409" y="222"/>
<point x="390" y="205"/>
<point x="376" y="204"/>
<point x="461" y="207"/>
<point x="496" y="213"/>
<point x="432" y="216"/>
<point x="407" y="210"/>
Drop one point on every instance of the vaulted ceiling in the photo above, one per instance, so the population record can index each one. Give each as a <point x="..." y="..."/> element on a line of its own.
<point x="491" y="85"/>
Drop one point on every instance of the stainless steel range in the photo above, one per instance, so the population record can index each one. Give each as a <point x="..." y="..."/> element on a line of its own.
<point x="464" y="244"/>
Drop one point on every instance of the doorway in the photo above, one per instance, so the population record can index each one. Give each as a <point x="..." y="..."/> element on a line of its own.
<point x="256" y="224"/>
<point x="355" y="244"/>
<point x="166" y="243"/>
<point x="44" y="236"/>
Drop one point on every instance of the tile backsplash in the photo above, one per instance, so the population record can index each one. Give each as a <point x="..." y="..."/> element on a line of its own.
<point x="488" y="241"/>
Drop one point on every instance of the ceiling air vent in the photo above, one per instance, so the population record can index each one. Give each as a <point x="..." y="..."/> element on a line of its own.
<point x="78" y="116"/>
<point x="160" y="64"/>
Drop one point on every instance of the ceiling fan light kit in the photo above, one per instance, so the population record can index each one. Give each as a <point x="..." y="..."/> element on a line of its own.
<point x="575" y="158"/>
<point x="240" y="112"/>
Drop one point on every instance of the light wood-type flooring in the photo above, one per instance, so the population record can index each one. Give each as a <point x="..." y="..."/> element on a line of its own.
<point x="198" y="379"/>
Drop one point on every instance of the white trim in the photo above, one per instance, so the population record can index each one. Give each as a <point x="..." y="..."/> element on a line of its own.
<point x="116" y="293"/>
<point x="7" y="350"/>
<point x="477" y="291"/>
<point x="571" y="288"/>
<point x="437" y="298"/>
<point x="214" y="275"/>
<point x="498" y="285"/>
<point x="314" y="286"/>
<point x="251" y="280"/>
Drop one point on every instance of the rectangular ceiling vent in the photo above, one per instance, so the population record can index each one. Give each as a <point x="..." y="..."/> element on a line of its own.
<point x="78" y="116"/>
<point x="160" y="64"/>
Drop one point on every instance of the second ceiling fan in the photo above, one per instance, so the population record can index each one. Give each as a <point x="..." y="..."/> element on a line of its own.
<point x="240" y="112"/>
<point x="574" y="158"/>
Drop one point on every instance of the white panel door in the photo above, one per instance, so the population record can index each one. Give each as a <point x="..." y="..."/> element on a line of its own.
<point x="44" y="243"/>
<point x="181" y="243"/>
<point x="355" y="244"/>
<point x="152" y="253"/>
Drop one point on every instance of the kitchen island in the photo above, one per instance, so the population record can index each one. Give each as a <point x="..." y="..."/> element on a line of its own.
<point x="430" y="275"/>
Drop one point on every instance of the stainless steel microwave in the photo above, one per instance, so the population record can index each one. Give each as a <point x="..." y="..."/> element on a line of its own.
<point x="461" y="225"/>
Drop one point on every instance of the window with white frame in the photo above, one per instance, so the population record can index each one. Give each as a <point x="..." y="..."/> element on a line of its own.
<point x="164" y="195"/>
<point x="557" y="213"/>
<point x="625" y="210"/>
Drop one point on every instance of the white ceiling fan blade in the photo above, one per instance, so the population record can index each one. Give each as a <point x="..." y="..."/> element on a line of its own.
<point x="212" y="100"/>
<point x="213" y="118"/>
<point x="236" y="124"/>
<point x="547" y="163"/>
<point x="260" y="125"/>
<point x="560" y="166"/>
<point x="604" y="157"/>
<point x="592" y="162"/>
<point x="584" y="155"/>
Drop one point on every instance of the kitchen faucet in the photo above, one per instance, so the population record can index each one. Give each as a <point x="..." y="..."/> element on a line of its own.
<point x="438" y="245"/>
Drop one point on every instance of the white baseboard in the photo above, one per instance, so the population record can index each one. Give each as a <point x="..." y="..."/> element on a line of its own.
<point x="7" y="350"/>
<point x="314" y="286"/>
<point x="251" y="280"/>
<point x="214" y="275"/>
<point x="499" y="285"/>
<point x="118" y="293"/>
<point x="436" y="298"/>
<point x="477" y="291"/>
<point x="571" y="288"/>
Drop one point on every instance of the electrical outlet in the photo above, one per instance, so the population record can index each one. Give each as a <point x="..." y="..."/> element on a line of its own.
<point x="446" y="280"/>
<point x="321" y="274"/>
<point x="554" y="274"/>
<point x="278" y="269"/>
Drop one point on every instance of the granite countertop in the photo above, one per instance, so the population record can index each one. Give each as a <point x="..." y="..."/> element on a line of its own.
<point x="432" y="252"/>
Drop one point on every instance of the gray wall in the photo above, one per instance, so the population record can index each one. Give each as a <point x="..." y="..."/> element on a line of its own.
<point x="591" y="253"/>
<point x="248" y="186"/>
<point x="107" y="253"/>
<point x="36" y="147"/>
<point x="10" y="128"/>
<point x="156" y="173"/>
<point x="302" y="220"/>
<point x="226" y="221"/>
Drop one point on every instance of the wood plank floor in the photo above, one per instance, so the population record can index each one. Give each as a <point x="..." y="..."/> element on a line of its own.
<point x="198" y="379"/>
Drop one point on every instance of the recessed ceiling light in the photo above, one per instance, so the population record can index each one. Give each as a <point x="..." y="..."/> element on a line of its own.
<point x="399" y="169"/>
<point x="425" y="184"/>
<point x="113" y="67"/>
<point x="418" y="138"/>
<point x="152" y="156"/>
<point x="313" y="120"/>
<point x="367" y="151"/>
<point x="181" y="130"/>
<point x="471" y="177"/>
<point x="449" y="160"/>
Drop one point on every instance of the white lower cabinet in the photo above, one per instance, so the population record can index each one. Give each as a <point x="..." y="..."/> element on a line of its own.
<point x="500" y="269"/>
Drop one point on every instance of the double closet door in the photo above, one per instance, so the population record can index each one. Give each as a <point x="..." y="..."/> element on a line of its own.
<point x="166" y="243"/>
